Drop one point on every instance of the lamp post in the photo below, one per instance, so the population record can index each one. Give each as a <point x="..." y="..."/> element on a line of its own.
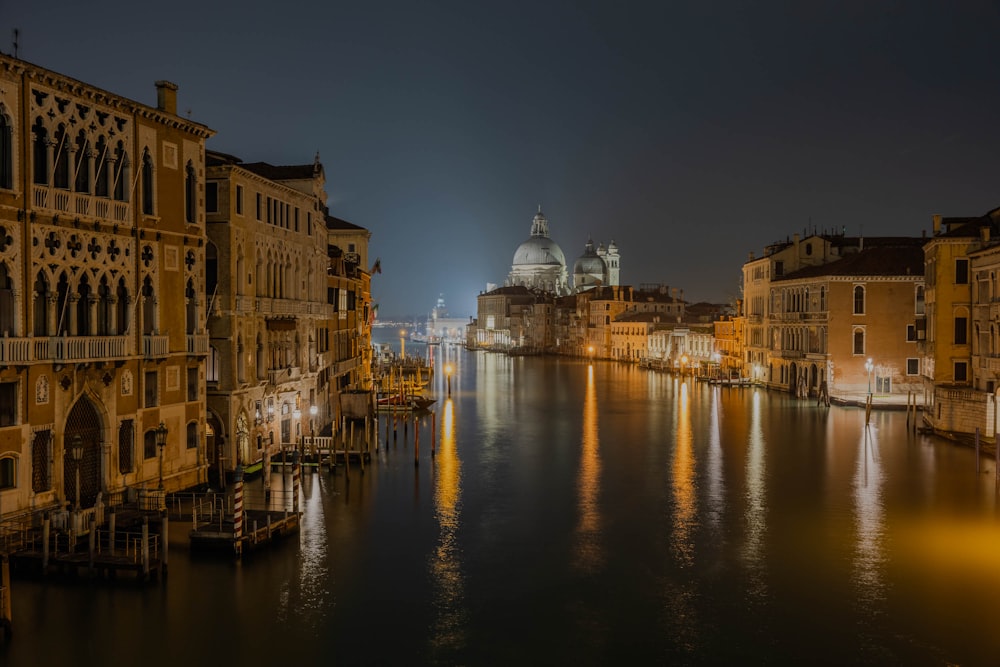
<point x="161" y="443"/>
<point x="76" y="451"/>
<point x="402" y="343"/>
<point x="869" y="366"/>
<point x="447" y="371"/>
<point x="297" y="414"/>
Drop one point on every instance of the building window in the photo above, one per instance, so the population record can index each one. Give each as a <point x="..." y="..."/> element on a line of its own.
<point x="213" y="368"/>
<point x="149" y="444"/>
<point x="919" y="300"/>
<point x="859" y="341"/>
<point x="192" y="435"/>
<point x="260" y="206"/>
<point x="961" y="272"/>
<point x="126" y="444"/>
<point x="8" y="470"/>
<point x="211" y="197"/>
<point x="961" y="331"/>
<point x="239" y="200"/>
<point x="961" y="371"/>
<point x="150" y="394"/>
<point x="809" y="248"/>
<point x="6" y="152"/>
<point x="913" y="366"/>
<point x="190" y="195"/>
<point x="911" y="333"/>
<point x="296" y="218"/>
<point x="8" y="403"/>
<point x="192" y="383"/>
<point x="270" y="210"/>
<point x="40" y="478"/>
<point x="147" y="183"/>
<point x="779" y="268"/>
<point x="859" y="300"/>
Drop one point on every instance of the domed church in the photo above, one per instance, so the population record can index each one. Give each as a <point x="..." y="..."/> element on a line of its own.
<point x="596" y="267"/>
<point x="539" y="262"/>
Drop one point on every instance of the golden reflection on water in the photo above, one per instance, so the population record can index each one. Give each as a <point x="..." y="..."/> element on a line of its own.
<point x="685" y="500"/>
<point x="446" y="564"/>
<point x="716" y="482"/>
<point x="756" y="505"/>
<point x="869" y="519"/>
<point x="589" y="554"/>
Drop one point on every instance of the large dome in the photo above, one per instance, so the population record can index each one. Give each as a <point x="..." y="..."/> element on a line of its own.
<point x="539" y="250"/>
<point x="589" y="262"/>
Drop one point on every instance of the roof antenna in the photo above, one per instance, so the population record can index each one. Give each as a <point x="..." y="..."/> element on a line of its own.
<point x="16" y="33"/>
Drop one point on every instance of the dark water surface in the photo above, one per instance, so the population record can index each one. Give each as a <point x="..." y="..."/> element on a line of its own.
<point x="577" y="514"/>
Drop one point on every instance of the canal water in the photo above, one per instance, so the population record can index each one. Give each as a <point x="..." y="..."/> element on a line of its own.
<point x="577" y="513"/>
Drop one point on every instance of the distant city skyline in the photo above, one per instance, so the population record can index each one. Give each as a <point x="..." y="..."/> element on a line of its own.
<point x="690" y="133"/>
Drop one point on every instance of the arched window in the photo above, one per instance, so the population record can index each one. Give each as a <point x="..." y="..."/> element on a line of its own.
<point x="60" y="174"/>
<point x="214" y="365"/>
<point x="8" y="472"/>
<point x="241" y="368"/>
<point x="859" y="300"/>
<point x="103" y="166"/>
<point x="83" y="307"/>
<point x="147" y="183"/>
<point x="190" y="182"/>
<point x="6" y="302"/>
<point x="40" y="152"/>
<point x="190" y="308"/>
<point x="122" y="320"/>
<point x="40" y="315"/>
<point x="148" y="307"/>
<point x="149" y="444"/>
<point x="919" y="300"/>
<point x="6" y="151"/>
<point x="859" y="341"/>
<point x="123" y="179"/>
<point x="82" y="163"/>
<point x="192" y="435"/>
<point x="104" y="308"/>
<point x="62" y="305"/>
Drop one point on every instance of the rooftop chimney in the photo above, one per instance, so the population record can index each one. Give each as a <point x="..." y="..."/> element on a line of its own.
<point x="166" y="97"/>
<point x="937" y="225"/>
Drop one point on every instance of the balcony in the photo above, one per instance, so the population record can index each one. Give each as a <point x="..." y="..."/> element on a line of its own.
<point x="197" y="344"/>
<point x="16" y="350"/>
<point x="79" y="204"/>
<point x="154" y="347"/>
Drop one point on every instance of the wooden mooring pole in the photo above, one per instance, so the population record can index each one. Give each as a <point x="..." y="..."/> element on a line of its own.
<point x="5" y="613"/>
<point x="416" y="441"/>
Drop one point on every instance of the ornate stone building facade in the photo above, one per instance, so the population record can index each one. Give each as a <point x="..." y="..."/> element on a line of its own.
<point x="102" y="292"/>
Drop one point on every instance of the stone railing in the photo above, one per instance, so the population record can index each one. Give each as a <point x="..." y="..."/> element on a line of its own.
<point x="17" y="349"/>
<point x="155" y="346"/>
<point x="74" y="348"/>
<point x="79" y="203"/>
<point x="197" y="344"/>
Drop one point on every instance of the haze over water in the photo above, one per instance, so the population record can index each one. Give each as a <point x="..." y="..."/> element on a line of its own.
<point x="584" y="514"/>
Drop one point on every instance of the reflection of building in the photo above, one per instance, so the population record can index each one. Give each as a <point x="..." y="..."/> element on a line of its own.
<point x="102" y="291"/>
<point x="267" y="259"/>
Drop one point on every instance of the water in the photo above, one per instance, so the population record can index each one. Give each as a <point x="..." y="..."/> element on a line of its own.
<point x="578" y="514"/>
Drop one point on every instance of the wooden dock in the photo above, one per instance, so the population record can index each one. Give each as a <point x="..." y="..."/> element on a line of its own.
<point x="261" y="527"/>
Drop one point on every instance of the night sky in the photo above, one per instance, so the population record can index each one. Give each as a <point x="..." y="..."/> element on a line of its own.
<point x="691" y="133"/>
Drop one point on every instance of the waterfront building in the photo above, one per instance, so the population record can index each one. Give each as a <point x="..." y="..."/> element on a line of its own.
<point x="606" y="304"/>
<point x="501" y="315"/>
<point x="729" y="342"/>
<point x="954" y="401"/>
<point x="346" y="362"/>
<point x="103" y="292"/>
<point x="828" y="321"/>
<point x="267" y="258"/>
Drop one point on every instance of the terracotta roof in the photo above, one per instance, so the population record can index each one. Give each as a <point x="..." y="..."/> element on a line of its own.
<point x="293" y="172"/>
<point x="905" y="258"/>
<point x="337" y="223"/>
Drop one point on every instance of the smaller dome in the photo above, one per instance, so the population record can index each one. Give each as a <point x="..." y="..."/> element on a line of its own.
<point x="589" y="262"/>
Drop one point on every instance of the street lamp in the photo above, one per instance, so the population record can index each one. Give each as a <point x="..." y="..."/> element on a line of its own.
<point x="684" y="361"/>
<point x="76" y="451"/>
<point x="447" y="371"/>
<point x="161" y="443"/>
<point x="297" y="414"/>
<point x="402" y="343"/>
<point x="869" y="366"/>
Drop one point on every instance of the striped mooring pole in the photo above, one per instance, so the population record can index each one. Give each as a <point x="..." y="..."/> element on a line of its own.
<point x="238" y="511"/>
<point x="295" y="481"/>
